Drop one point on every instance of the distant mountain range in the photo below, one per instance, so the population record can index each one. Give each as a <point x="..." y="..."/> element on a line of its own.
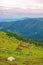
<point x="29" y="27"/>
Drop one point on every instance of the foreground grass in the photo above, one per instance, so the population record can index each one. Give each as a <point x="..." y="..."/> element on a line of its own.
<point x="32" y="55"/>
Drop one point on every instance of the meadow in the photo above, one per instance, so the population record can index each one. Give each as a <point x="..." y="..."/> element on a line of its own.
<point x="25" y="51"/>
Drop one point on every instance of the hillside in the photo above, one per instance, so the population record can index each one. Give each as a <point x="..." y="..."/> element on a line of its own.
<point x="29" y="27"/>
<point x="26" y="52"/>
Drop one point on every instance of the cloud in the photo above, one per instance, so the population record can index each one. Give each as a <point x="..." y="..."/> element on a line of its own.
<point x="20" y="11"/>
<point x="34" y="4"/>
<point x="21" y="7"/>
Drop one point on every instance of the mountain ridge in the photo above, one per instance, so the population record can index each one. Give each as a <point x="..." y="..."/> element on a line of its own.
<point x="30" y="27"/>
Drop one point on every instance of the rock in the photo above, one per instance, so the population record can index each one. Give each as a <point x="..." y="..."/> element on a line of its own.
<point x="11" y="58"/>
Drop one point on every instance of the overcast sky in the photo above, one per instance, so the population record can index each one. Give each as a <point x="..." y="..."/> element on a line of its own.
<point x="20" y="7"/>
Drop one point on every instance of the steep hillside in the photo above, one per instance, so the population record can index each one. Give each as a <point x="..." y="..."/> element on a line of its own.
<point x="24" y="51"/>
<point x="30" y="27"/>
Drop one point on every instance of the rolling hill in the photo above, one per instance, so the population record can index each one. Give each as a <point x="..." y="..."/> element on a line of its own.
<point x="28" y="27"/>
<point x="25" y="52"/>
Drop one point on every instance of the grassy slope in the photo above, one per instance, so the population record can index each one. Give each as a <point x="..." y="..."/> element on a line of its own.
<point x="27" y="56"/>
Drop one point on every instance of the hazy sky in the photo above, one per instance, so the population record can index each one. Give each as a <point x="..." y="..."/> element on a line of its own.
<point x="20" y="7"/>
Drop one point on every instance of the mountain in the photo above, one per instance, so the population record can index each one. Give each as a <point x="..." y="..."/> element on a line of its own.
<point x="28" y="27"/>
<point x="25" y="53"/>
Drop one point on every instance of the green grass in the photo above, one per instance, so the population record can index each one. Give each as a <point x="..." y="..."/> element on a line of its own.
<point x="9" y="42"/>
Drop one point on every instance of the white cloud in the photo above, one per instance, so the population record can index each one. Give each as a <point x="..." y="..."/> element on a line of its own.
<point x="33" y="4"/>
<point x="21" y="7"/>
